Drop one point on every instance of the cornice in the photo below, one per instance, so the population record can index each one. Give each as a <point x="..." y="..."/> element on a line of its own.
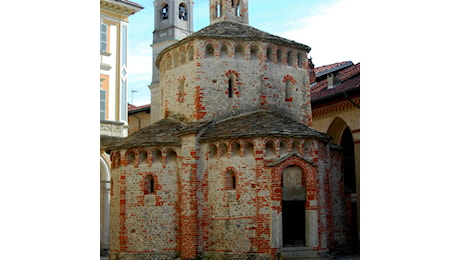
<point x="336" y="107"/>
<point x="119" y="7"/>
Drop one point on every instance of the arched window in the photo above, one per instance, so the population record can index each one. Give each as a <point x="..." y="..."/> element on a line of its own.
<point x="254" y="52"/>
<point x="176" y="59"/>
<point x="279" y="56"/>
<point x="223" y="51"/>
<point x="239" y="52"/>
<point x="212" y="151"/>
<point x="237" y="9"/>
<point x="231" y="84"/>
<point x="209" y="51"/>
<point x="269" y="54"/>
<point x="230" y="180"/>
<point x="288" y="90"/>
<point x="164" y="12"/>
<point x="300" y="60"/>
<point x="290" y="59"/>
<point x="149" y="184"/>
<point x="183" y="12"/>
<point x="270" y="149"/>
<point x="218" y="9"/>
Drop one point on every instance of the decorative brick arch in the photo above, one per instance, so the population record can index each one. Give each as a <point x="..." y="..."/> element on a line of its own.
<point x="309" y="176"/>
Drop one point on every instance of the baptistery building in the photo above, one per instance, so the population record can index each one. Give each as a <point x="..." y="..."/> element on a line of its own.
<point x="230" y="167"/>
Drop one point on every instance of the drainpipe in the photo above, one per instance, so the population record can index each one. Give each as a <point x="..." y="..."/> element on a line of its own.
<point x="138" y="120"/>
<point x="351" y="101"/>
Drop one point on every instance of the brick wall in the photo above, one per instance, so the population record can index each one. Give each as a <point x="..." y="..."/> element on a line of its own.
<point x="197" y="211"/>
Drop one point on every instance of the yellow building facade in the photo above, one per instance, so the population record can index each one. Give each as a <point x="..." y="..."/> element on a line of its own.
<point x="113" y="95"/>
<point x="336" y="111"/>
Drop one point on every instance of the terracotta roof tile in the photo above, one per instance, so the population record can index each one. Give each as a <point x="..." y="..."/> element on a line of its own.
<point x="133" y="108"/>
<point x="349" y="79"/>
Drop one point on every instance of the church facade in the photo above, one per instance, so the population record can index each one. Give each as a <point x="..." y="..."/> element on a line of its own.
<point x="230" y="167"/>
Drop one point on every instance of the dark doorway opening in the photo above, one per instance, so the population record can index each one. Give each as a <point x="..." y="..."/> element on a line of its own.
<point x="350" y="188"/>
<point x="293" y="223"/>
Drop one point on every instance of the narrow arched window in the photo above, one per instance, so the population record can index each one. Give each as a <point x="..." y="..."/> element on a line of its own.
<point x="183" y="12"/>
<point x="237" y="9"/>
<point x="230" y="180"/>
<point x="269" y="54"/>
<point x="290" y="58"/>
<point x="288" y="90"/>
<point x="149" y="185"/>
<point x="300" y="60"/>
<point x="223" y="51"/>
<point x="164" y="12"/>
<point x="279" y="56"/>
<point x="218" y="10"/>
<point x="239" y="52"/>
<point x="254" y="52"/>
<point x="209" y="51"/>
<point x="231" y="83"/>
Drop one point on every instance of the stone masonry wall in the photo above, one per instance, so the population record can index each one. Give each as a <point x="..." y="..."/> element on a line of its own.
<point x="198" y="87"/>
<point x="198" y="210"/>
<point x="144" y="222"/>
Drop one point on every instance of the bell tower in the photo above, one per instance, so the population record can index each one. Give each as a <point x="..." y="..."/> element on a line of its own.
<point x="173" y="22"/>
<point x="228" y="10"/>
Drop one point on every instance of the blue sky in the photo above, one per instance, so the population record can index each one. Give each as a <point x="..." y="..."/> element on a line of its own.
<point x="329" y="27"/>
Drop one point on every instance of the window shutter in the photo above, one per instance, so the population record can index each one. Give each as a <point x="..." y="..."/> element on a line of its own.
<point x="103" y="37"/>
<point x="102" y="104"/>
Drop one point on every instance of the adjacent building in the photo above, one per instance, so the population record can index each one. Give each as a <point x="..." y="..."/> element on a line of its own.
<point x="113" y="94"/>
<point x="336" y="111"/>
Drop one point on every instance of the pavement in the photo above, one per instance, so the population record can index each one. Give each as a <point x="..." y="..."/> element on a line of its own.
<point x="348" y="257"/>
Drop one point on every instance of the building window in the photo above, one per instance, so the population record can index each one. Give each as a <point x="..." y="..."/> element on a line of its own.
<point x="182" y="12"/>
<point x="164" y="12"/>
<point x="103" y="37"/>
<point x="231" y="83"/>
<point x="279" y="56"/>
<point x="269" y="54"/>
<point x="237" y="9"/>
<point x="218" y="9"/>
<point x="209" y="51"/>
<point x="288" y="91"/>
<point x="230" y="180"/>
<point x="149" y="187"/>
<point x="103" y="104"/>
<point x="290" y="58"/>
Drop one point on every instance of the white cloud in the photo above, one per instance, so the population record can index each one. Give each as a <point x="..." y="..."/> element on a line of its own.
<point x="333" y="34"/>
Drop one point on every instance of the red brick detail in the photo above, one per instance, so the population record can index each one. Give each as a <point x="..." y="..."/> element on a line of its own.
<point x="290" y="78"/>
<point x="123" y="238"/>
<point x="200" y="110"/>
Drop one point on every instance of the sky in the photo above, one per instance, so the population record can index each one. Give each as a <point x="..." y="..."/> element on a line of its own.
<point x="329" y="27"/>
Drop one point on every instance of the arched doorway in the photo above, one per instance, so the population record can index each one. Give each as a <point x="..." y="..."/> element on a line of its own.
<point x="293" y="207"/>
<point x="342" y="135"/>
<point x="104" y="205"/>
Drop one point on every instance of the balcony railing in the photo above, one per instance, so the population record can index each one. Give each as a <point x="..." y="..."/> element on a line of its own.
<point x="113" y="129"/>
